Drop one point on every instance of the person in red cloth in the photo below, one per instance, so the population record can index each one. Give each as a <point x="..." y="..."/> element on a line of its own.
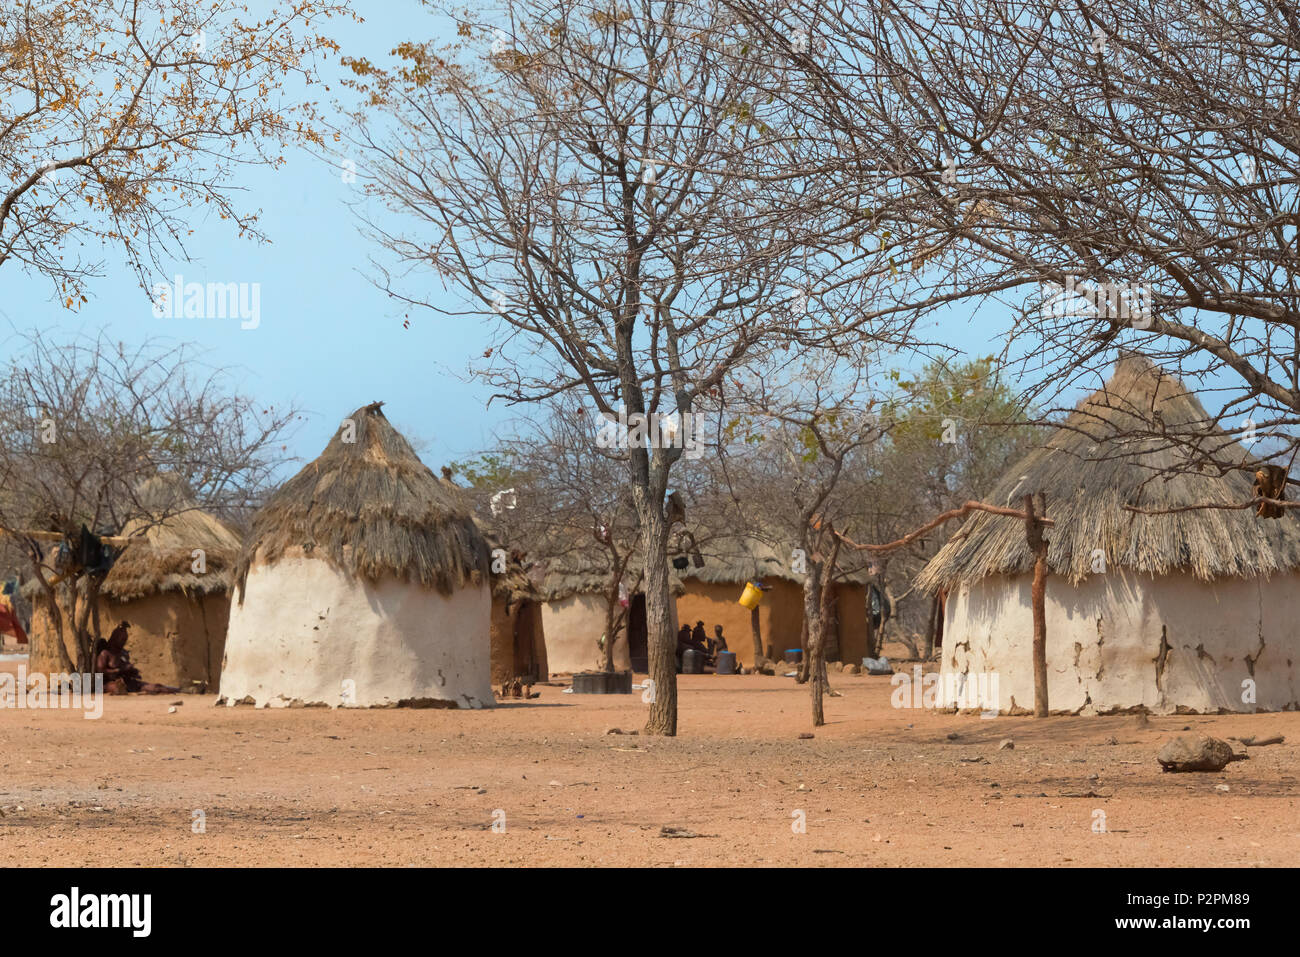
<point x="9" y="621"/>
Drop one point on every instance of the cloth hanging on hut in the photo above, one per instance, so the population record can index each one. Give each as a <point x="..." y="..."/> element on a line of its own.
<point x="876" y="604"/>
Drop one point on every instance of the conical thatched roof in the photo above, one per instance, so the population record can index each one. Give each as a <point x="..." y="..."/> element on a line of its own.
<point x="164" y="559"/>
<point x="371" y="508"/>
<point x="577" y="573"/>
<point x="733" y="559"/>
<point x="585" y="574"/>
<point x="1091" y="469"/>
<point x="728" y="559"/>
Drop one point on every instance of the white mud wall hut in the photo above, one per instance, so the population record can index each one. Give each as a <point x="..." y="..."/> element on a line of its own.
<point x="364" y="582"/>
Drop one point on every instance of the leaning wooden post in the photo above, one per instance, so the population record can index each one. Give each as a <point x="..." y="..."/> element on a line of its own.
<point x="1038" y="597"/>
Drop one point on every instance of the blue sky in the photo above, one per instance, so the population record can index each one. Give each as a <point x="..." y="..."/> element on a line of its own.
<point x="328" y="340"/>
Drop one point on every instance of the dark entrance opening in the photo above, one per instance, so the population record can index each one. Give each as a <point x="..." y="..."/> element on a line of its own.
<point x="637" y="647"/>
<point x="529" y="651"/>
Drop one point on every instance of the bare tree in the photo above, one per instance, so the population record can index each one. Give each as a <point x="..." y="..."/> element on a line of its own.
<point x="1118" y="173"/>
<point x="552" y="494"/>
<point x="120" y="118"/>
<point x="807" y="432"/>
<point x="624" y="200"/>
<point x="957" y="428"/>
<point x="87" y="423"/>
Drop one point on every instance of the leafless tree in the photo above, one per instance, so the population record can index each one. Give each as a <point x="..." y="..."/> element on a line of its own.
<point x="798" y="472"/>
<point x="624" y="201"/>
<point x="119" y="119"/>
<point x="552" y="495"/>
<point x="1120" y="173"/>
<point x="86" y="423"/>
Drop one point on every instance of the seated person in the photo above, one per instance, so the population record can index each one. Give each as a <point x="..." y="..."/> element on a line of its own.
<point x="686" y="640"/>
<point x="683" y="642"/>
<point x="120" y="676"/>
<point x="718" y="643"/>
<point x="701" y="642"/>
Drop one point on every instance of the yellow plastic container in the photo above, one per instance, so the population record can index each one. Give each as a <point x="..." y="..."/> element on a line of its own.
<point x="752" y="596"/>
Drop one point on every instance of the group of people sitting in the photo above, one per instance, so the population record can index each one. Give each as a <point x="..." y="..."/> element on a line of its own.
<point x="696" y="640"/>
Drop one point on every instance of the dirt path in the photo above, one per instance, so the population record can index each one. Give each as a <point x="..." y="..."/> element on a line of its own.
<point x="877" y="786"/>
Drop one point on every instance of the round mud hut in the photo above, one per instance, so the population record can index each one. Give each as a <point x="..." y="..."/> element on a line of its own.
<point x="575" y="593"/>
<point x="1187" y="611"/>
<point x="172" y="582"/>
<point x="363" y="582"/>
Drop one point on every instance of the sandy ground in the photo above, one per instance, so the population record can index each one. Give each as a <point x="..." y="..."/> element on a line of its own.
<point x="875" y="786"/>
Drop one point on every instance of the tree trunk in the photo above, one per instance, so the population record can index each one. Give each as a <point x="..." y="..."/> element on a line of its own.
<point x="48" y="650"/>
<point x="887" y="616"/>
<point x="757" y="632"/>
<point x="85" y="634"/>
<point x="817" y="636"/>
<point x="1038" y="598"/>
<point x="69" y="610"/>
<point x="871" y="626"/>
<point x="802" y="672"/>
<point x="931" y="627"/>
<point x="659" y="622"/>
<point x="611" y="627"/>
<point x="810" y="667"/>
<point x="96" y="632"/>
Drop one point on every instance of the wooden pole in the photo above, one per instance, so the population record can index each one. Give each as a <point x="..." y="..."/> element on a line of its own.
<point x="114" y="540"/>
<point x="757" y="632"/>
<point x="1038" y="597"/>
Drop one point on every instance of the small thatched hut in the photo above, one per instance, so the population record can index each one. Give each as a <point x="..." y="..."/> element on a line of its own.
<point x="363" y="581"/>
<point x="1190" y="611"/>
<point x="172" y="583"/>
<point x="711" y="594"/>
<point x="574" y="590"/>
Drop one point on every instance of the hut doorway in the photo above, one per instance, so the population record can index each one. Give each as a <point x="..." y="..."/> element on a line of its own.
<point x="637" y="648"/>
<point x="529" y="649"/>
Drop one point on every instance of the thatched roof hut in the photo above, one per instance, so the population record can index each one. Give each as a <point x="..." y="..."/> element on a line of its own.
<point x="162" y="558"/>
<point x="1108" y="454"/>
<point x="735" y="559"/>
<point x="1163" y="612"/>
<point x="172" y="582"/>
<point x="574" y="587"/>
<point x="363" y="581"/>
<point x="371" y="508"/>
<point x="710" y="593"/>
<point x="517" y="635"/>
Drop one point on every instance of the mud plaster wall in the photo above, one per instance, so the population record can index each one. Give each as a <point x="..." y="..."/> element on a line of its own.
<point x="175" y="640"/>
<point x="305" y="627"/>
<point x="1120" y="641"/>
<point x="572" y="628"/>
<point x="851" y="605"/>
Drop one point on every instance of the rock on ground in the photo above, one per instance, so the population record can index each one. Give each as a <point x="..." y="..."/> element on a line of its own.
<point x="1194" y="752"/>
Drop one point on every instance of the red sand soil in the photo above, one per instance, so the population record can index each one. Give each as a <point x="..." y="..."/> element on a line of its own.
<point x="878" y="786"/>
